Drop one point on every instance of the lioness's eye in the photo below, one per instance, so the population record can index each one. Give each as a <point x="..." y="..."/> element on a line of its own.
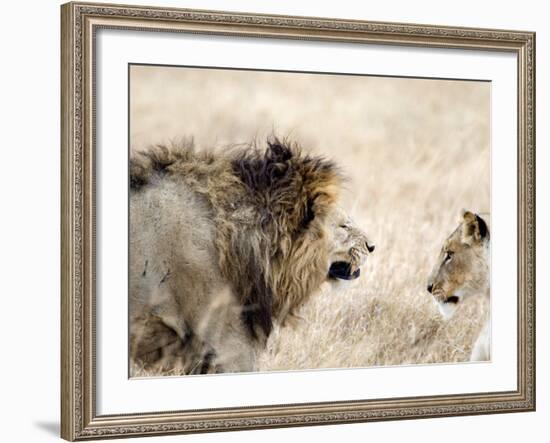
<point x="344" y="226"/>
<point x="448" y="256"/>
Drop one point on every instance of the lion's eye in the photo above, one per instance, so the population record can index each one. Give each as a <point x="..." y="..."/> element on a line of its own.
<point x="448" y="256"/>
<point x="344" y="226"/>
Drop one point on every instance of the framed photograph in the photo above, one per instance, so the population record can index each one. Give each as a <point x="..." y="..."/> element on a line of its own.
<point x="277" y="221"/>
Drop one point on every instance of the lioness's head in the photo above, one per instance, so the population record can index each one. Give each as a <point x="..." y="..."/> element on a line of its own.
<point x="462" y="267"/>
<point x="349" y="247"/>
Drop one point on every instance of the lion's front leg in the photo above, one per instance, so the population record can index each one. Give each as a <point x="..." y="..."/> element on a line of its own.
<point x="227" y="352"/>
<point x="228" y="345"/>
<point x="234" y="353"/>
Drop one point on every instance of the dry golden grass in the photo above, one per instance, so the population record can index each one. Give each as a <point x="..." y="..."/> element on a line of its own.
<point x="416" y="152"/>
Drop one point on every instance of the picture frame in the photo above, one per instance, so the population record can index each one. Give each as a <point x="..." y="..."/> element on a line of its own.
<point x="80" y="24"/>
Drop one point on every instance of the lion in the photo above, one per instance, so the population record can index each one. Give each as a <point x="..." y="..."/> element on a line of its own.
<point x="222" y="245"/>
<point x="462" y="271"/>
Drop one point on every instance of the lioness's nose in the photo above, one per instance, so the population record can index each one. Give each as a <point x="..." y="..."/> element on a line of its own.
<point x="430" y="288"/>
<point x="370" y="248"/>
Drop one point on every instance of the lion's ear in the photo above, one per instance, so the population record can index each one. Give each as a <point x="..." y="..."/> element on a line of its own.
<point x="474" y="229"/>
<point x="309" y="213"/>
<point x="323" y="191"/>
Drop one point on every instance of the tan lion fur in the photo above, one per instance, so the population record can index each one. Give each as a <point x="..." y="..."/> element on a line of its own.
<point x="222" y="245"/>
<point x="462" y="271"/>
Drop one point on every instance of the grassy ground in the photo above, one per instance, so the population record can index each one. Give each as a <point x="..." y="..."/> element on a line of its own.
<point x="416" y="152"/>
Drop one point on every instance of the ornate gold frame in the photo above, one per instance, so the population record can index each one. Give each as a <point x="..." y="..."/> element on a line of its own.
<point x="79" y="21"/>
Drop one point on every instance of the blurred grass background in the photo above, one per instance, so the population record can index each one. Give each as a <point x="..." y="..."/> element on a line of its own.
<point x="416" y="152"/>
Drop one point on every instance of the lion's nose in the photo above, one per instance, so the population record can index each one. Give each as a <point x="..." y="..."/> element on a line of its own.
<point x="430" y="288"/>
<point x="370" y="248"/>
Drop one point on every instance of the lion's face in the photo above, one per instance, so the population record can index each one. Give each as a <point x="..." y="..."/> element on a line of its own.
<point x="348" y="246"/>
<point x="462" y="267"/>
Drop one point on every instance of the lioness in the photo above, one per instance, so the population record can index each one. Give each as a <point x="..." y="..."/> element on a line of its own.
<point x="462" y="271"/>
<point x="224" y="244"/>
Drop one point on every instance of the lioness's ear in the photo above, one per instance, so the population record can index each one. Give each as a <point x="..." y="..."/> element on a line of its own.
<point x="474" y="229"/>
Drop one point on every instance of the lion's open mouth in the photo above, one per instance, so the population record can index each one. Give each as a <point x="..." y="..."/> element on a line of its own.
<point x="342" y="271"/>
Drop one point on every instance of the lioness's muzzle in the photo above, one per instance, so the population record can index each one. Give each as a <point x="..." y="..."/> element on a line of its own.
<point x="342" y="271"/>
<point x="453" y="299"/>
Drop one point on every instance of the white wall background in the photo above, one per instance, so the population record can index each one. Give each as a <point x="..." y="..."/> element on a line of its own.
<point x="29" y="221"/>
